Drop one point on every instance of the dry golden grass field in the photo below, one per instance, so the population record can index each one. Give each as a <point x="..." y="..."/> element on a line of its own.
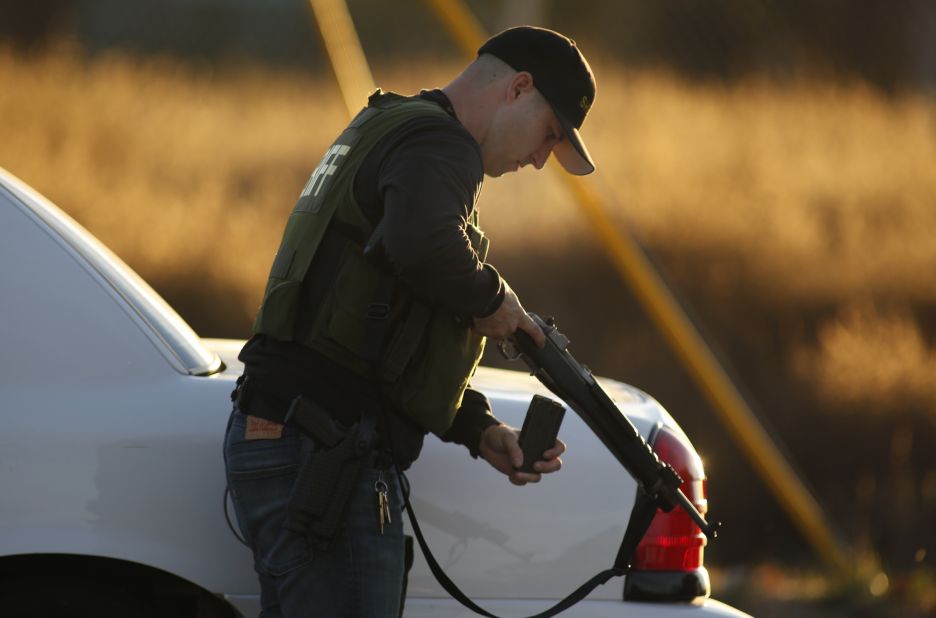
<point x="796" y="219"/>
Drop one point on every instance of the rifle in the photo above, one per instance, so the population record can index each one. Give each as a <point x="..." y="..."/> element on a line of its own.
<point x="574" y="383"/>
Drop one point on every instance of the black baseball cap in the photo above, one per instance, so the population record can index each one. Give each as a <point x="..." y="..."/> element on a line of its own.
<point x="561" y="74"/>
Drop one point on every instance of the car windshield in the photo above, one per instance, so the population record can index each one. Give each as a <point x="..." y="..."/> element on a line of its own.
<point x="166" y="325"/>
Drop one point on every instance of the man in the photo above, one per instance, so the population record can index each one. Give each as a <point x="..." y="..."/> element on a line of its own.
<point x="374" y="318"/>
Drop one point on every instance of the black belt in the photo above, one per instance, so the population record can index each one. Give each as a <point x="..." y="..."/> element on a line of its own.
<point x="254" y="399"/>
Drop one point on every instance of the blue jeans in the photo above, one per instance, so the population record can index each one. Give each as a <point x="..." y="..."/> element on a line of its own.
<point x="360" y="576"/>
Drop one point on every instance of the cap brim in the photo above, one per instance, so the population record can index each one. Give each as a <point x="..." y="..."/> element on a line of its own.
<point x="571" y="152"/>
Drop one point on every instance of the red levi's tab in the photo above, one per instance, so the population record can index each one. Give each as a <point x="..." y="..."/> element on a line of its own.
<point x="262" y="429"/>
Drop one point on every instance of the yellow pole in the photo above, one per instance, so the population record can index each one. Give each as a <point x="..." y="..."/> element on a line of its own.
<point x="344" y="51"/>
<point x="460" y="23"/>
<point x="685" y="339"/>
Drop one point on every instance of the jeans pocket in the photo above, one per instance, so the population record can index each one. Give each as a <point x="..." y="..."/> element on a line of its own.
<point x="261" y="475"/>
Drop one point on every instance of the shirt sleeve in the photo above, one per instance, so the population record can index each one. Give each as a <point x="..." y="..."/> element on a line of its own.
<point x="472" y="418"/>
<point x="427" y="181"/>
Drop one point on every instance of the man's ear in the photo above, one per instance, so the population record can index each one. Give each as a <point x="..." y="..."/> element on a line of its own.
<point x="521" y="83"/>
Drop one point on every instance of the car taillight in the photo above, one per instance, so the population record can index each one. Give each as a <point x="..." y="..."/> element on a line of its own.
<point x="668" y="562"/>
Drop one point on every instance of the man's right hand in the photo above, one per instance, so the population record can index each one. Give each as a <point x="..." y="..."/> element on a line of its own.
<point x="508" y="318"/>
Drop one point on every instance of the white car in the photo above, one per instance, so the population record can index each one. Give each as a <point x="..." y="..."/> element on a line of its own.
<point x="113" y="414"/>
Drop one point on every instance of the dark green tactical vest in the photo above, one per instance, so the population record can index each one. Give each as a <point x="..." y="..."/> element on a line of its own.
<point x="422" y="356"/>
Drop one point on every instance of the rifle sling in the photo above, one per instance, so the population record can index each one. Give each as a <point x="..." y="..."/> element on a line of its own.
<point x="641" y="516"/>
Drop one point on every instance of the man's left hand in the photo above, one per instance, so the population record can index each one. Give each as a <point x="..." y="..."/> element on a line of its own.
<point x="500" y="448"/>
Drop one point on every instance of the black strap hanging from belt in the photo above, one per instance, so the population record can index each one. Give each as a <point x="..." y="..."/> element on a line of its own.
<point x="642" y="515"/>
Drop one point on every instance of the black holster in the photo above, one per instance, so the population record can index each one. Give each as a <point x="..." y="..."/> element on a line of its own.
<point x="329" y="467"/>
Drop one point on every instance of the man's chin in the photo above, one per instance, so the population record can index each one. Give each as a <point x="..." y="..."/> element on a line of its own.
<point x="500" y="172"/>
